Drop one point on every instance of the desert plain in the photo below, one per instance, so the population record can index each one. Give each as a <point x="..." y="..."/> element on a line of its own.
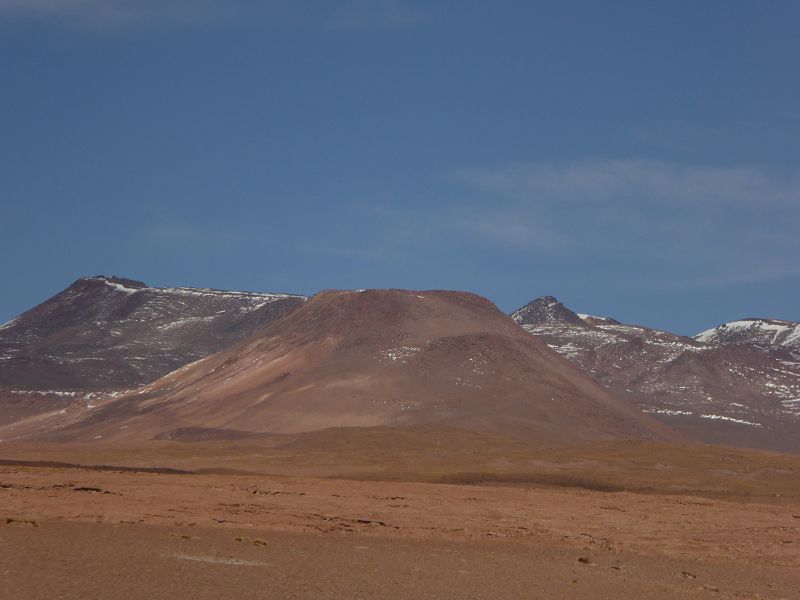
<point x="397" y="513"/>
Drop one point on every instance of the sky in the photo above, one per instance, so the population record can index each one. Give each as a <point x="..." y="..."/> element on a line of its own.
<point x="636" y="159"/>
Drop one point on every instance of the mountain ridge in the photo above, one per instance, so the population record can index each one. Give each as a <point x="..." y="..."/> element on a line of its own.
<point x="755" y="331"/>
<point x="108" y="332"/>
<point x="370" y="358"/>
<point x="736" y="383"/>
<point x="738" y="390"/>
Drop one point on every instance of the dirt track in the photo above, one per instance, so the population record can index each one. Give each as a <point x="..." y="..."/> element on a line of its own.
<point x="89" y="534"/>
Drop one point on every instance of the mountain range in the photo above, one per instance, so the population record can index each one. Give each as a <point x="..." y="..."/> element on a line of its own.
<point x="368" y="358"/>
<point x="737" y="384"/>
<point x="107" y="333"/>
<point x="114" y="358"/>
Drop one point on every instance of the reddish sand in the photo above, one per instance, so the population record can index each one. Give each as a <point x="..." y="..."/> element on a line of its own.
<point x="85" y="533"/>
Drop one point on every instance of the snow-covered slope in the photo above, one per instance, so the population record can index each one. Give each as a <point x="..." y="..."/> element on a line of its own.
<point x="114" y="333"/>
<point x="736" y="384"/>
<point x="767" y="333"/>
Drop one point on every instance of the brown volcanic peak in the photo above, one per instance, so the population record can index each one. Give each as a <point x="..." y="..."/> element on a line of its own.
<point x="545" y="310"/>
<point x="370" y="358"/>
<point x="111" y="333"/>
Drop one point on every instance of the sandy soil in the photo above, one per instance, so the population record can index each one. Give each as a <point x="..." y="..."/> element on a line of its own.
<point x="453" y="456"/>
<point x="78" y="533"/>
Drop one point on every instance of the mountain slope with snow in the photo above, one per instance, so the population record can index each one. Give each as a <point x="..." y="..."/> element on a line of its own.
<point x="767" y="333"/>
<point x="737" y="385"/>
<point x="395" y="358"/>
<point x="113" y="333"/>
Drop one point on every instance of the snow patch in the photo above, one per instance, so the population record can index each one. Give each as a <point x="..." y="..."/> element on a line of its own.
<point x="586" y="317"/>
<point x="667" y="411"/>
<point x="43" y="393"/>
<point x="731" y="420"/>
<point x="11" y="323"/>
<point x="401" y="353"/>
<point x="186" y="291"/>
<point x="777" y="333"/>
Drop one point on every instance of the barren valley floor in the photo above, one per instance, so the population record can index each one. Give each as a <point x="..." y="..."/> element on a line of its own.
<point x="86" y="533"/>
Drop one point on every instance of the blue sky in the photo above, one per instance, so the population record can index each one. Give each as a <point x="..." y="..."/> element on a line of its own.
<point x="635" y="159"/>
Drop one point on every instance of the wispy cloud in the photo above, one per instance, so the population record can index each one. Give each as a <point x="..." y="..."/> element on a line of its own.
<point x="370" y="14"/>
<point x="394" y="233"/>
<point x="508" y="227"/>
<point x="684" y="225"/>
<point x="747" y="273"/>
<point x="116" y="14"/>
<point x="634" y="181"/>
<point x="191" y="235"/>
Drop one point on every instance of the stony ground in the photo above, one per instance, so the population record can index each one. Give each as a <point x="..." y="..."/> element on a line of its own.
<point x="83" y="533"/>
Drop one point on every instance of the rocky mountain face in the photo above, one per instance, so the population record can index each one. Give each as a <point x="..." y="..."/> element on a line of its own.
<point x="546" y="310"/>
<point x="438" y="360"/>
<point x="110" y="333"/>
<point x="737" y="384"/>
<point x="360" y="359"/>
<point x="769" y="334"/>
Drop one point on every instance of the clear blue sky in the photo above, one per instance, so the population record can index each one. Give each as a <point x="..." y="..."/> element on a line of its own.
<point x="636" y="159"/>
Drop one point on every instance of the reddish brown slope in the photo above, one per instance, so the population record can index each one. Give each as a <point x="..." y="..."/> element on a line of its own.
<point x="378" y="357"/>
<point x="111" y="333"/>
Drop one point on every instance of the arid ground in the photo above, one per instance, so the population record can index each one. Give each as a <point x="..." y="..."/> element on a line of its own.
<point x="397" y="514"/>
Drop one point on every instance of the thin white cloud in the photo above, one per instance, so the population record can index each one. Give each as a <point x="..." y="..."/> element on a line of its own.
<point x="508" y="228"/>
<point x="114" y="13"/>
<point x="735" y="275"/>
<point x="190" y="235"/>
<point x="674" y="224"/>
<point x="634" y="181"/>
<point x="369" y="14"/>
<point x="105" y="14"/>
